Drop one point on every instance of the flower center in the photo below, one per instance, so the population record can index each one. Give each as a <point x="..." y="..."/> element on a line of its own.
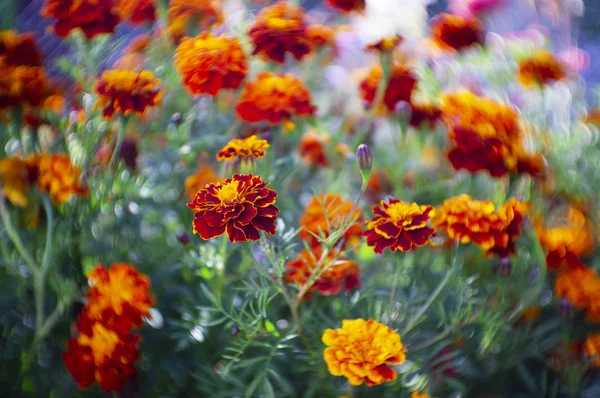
<point x="228" y="192"/>
<point x="400" y="211"/>
<point x="102" y="342"/>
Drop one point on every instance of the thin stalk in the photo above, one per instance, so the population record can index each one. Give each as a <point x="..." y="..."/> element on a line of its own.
<point x="49" y="233"/>
<point x="40" y="277"/>
<point x="119" y="143"/>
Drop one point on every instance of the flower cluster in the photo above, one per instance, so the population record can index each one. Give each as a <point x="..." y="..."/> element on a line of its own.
<point x="247" y="148"/>
<point x="105" y="351"/>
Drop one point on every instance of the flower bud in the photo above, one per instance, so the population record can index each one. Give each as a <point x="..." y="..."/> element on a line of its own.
<point x="364" y="157"/>
<point x="403" y="110"/>
<point x="183" y="238"/>
<point x="176" y="119"/>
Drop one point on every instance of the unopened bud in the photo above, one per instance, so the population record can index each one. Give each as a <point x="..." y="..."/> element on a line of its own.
<point x="176" y="119"/>
<point x="364" y="157"/>
<point x="183" y="238"/>
<point x="403" y="110"/>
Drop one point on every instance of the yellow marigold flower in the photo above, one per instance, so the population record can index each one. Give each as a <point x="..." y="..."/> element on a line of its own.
<point x="183" y="13"/>
<point x="251" y="147"/>
<point x="16" y="176"/>
<point x="398" y="225"/>
<point x="126" y="91"/>
<point x="274" y="99"/>
<point x="196" y="182"/>
<point x="592" y="349"/>
<point x="58" y="176"/>
<point x="362" y="351"/>
<point x="208" y="63"/>
<point x="541" y="68"/>
<point x="279" y="29"/>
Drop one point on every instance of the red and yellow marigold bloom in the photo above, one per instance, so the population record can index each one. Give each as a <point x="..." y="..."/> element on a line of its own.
<point x="362" y="351"/>
<point x="274" y="99"/>
<point x="424" y="114"/>
<point x="401" y="85"/>
<point x="125" y="91"/>
<point x="137" y="11"/>
<point x="580" y="285"/>
<point x="348" y="5"/>
<point x="320" y="36"/>
<point x="119" y="296"/>
<point x="18" y="49"/>
<point x="21" y="86"/>
<point x="591" y="346"/>
<point x="209" y="63"/>
<point x="241" y="206"/>
<point x="16" y="176"/>
<point x="455" y="32"/>
<point x="280" y="29"/>
<point x="341" y="273"/>
<point x="196" y="182"/>
<point x="387" y="44"/>
<point x="486" y="135"/>
<point x="312" y="148"/>
<point x="399" y="225"/>
<point x="58" y="176"/>
<point x="203" y="13"/>
<point x="92" y="17"/>
<point x="101" y="355"/>
<point x="541" y="68"/>
<point x="566" y="243"/>
<point x="325" y="214"/>
<point x="247" y="148"/>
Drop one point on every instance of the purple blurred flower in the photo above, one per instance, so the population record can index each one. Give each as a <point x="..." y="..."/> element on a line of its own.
<point x="474" y="7"/>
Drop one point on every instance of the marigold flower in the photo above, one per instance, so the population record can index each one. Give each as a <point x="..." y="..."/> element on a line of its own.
<point x="580" y="285"/>
<point x="21" y="86"/>
<point x="398" y="225"/>
<point x="401" y="85"/>
<point x="251" y="147"/>
<point x="18" y="49"/>
<point x="362" y="351"/>
<point x="208" y="63"/>
<point x="424" y="114"/>
<point x="274" y="98"/>
<point x="348" y="5"/>
<point x="196" y="182"/>
<point x="57" y="176"/>
<point x="567" y="242"/>
<point x="280" y="29"/>
<point x="102" y="355"/>
<point x="126" y="91"/>
<point x="137" y="11"/>
<point x="486" y="136"/>
<point x="341" y="272"/>
<point x="320" y="36"/>
<point x="119" y="297"/>
<point x="591" y="347"/>
<point x="418" y="394"/>
<point x="379" y="184"/>
<point x="312" y="148"/>
<point x="540" y="69"/>
<point x="241" y="206"/>
<point x="387" y="44"/>
<point x="16" y="176"/>
<point x="92" y="17"/>
<point x="325" y="214"/>
<point x="455" y="32"/>
<point x="182" y="13"/>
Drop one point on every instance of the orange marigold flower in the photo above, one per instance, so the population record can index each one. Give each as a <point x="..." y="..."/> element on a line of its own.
<point x="102" y="355"/>
<point x="279" y="29"/>
<point x="540" y="69"/>
<point x="387" y="44"/>
<point x="494" y="230"/>
<point x="312" y="148"/>
<point x="320" y="36"/>
<point x="251" y="147"/>
<point x="591" y="347"/>
<point x="567" y="242"/>
<point x="348" y="5"/>
<point x="16" y="176"/>
<point x="126" y="91"/>
<point x="196" y="182"/>
<point x="241" y="206"/>
<point x="119" y="297"/>
<point x="137" y="11"/>
<point x="378" y="185"/>
<point x="18" y="49"/>
<point x="183" y="13"/>
<point x="580" y="285"/>
<point x="340" y="272"/>
<point x="455" y="32"/>
<point x="93" y="17"/>
<point x="21" y="85"/>
<point x="486" y="136"/>
<point x="398" y="225"/>
<point x="58" y="176"/>
<point x="362" y="351"/>
<point x="400" y="87"/>
<point x="274" y="98"/>
<point x="208" y="63"/>
<point x="325" y="214"/>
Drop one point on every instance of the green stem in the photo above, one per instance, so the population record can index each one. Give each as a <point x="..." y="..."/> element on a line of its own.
<point x="119" y="143"/>
<point x="49" y="233"/>
<point x="15" y="238"/>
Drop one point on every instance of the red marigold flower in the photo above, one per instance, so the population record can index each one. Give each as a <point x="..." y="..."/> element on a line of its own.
<point x="137" y="11"/>
<point x="102" y="355"/>
<point x="21" y="85"/>
<point x="126" y="91"/>
<point x="18" y="49"/>
<point x="424" y="114"/>
<point x="348" y="5"/>
<point x="119" y="297"/>
<point x="340" y="272"/>
<point x="57" y="176"/>
<point x="400" y="87"/>
<point x="320" y="36"/>
<point x="250" y="147"/>
<point x="241" y="206"/>
<point x="362" y="351"/>
<point x="93" y="17"/>
<point x="325" y="214"/>
<point x="279" y="29"/>
<point x="398" y="225"/>
<point x="541" y="68"/>
<point x="208" y="63"/>
<point x="274" y="98"/>
<point x="183" y="13"/>
<point x="196" y="182"/>
<point x="455" y="32"/>
<point x="312" y="148"/>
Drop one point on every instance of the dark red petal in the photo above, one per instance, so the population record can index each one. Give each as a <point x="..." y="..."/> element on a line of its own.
<point x="401" y="243"/>
<point x="266" y="224"/>
<point x="204" y="230"/>
<point x="246" y="216"/>
<point x="389" y="229"/>
<point x="214" y="219"/>
<point x="418" y="236"/>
